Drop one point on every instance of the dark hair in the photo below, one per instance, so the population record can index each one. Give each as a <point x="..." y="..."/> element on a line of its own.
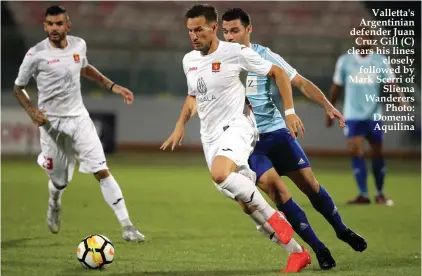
<point x="205" y="10"/>
<point x="55" y="10"/>
<point x="237" y="13"/>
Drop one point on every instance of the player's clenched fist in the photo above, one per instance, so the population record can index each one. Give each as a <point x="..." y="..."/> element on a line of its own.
<point x="37" y="116"/>
<point x="175" y="138"/>
<point x="124" y="92"/>
<point x="294" y="124"/>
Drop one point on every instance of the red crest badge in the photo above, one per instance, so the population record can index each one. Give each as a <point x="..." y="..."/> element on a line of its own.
<point x="76" y="58"/>
<point x="216" y="66"/>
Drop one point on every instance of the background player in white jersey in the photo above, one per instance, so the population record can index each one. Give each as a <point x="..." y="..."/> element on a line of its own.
<point x="216" y="89"/>
<point x="67" y="132"/>
<point x="359" y="113"/>
<point x="278" y="154"/>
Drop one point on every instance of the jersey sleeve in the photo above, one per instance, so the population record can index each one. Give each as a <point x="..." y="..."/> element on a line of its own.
<point x="252" y="62"/>
<point x="280" y="62"/>
<point x="84" y="55"/>
<point x="27" y="68"/>
<point x="339" y="74"/>
<point x="191" y="91"/>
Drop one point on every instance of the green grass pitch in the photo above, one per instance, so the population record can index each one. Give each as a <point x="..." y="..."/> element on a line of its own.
<point x="191" y="229"/>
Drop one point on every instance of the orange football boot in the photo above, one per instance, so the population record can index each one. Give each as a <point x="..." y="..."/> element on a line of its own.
<point x="297" y="262"/>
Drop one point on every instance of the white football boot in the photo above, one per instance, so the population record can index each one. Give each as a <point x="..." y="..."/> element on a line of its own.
<point x="131" y="234"/>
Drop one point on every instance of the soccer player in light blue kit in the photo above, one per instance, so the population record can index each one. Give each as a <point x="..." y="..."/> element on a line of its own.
<point x="277" y="153"/>
<point x="359" y="112"/>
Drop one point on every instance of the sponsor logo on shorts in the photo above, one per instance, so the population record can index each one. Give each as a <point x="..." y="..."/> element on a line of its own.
<point x="227" y="150"/>
<point x="301" y="161"/>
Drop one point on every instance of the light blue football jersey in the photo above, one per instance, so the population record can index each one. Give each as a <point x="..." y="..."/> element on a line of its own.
<point x="260" y="91"/>
<point x="360" y="85"/>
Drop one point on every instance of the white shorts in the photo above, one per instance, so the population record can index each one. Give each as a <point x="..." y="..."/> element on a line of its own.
<point x="236" y="143"/>
<point x="67" y="140"/>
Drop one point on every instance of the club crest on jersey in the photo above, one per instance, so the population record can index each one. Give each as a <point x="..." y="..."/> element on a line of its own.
<point x="201" y="87"/>
<point x="76" y="58"/>
<point x="216" y="66"/>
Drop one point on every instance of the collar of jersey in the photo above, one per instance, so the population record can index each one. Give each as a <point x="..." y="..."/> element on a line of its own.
<point x="50" y="47"/>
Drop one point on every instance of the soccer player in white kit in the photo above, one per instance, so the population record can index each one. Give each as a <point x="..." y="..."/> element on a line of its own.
<point x="216" y="73"/>
<point x="67" y="132"/>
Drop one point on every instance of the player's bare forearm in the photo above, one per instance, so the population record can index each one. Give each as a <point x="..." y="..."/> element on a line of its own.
<point x="284" y="86"/>
<point x="23" y="98"/>
<point x="334" y="93"/>
<point x="188" y="111"/>
<point x="310" y="90"/>
<point x="91" y="73"/>
<point x="37" y="116"/>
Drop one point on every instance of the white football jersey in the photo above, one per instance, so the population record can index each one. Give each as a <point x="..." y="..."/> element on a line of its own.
<point x="218" y="82"/>
<point x="57" y="73"/>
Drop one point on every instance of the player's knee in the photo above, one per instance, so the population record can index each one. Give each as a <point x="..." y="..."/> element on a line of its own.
<point x="221" y="168"/>
<point x="219" y="173"/>
<point x="219" y="176"/>
<point x="59" y="184"/>
<point x="355" y="149"/>
<point x="59" y="180"/>
<point x="102" y="174"/>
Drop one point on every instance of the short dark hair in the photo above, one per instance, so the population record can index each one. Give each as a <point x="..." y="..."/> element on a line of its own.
<point x="237" y="13"/>
<point x="205" y="10"/>
<point x="55" y="10"/>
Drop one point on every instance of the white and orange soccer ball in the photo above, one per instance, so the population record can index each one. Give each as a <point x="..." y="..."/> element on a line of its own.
<point x="95" y="251"/>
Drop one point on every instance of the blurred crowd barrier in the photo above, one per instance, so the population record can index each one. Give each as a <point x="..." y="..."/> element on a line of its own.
<point x="141" y="44"/>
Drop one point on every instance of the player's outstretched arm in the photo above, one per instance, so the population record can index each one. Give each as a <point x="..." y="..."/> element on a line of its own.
<point x="312" y="92"/>
<point x="188" y="111"/>
<point x="282" y="80"/>
<point x="36" y="115"/>
<point x="91" y="73"/>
